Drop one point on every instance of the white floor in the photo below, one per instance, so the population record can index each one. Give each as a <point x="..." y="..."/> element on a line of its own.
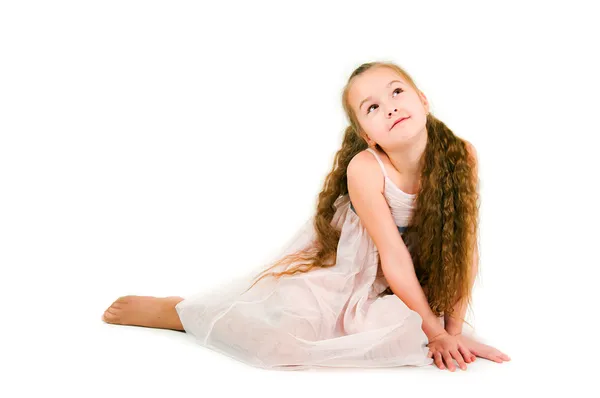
<point x="72" y="353"/>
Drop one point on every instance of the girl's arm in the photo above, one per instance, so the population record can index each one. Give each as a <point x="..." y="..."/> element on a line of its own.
<point x="365" y="186"/>
<point x="453" y="324"/>
<point x="403" y="281"/>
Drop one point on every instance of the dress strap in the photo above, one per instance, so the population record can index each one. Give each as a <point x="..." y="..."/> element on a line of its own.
<point x="378" y="160"/>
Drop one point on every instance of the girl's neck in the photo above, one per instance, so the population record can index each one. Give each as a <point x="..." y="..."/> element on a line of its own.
<point x="407" y="160"/>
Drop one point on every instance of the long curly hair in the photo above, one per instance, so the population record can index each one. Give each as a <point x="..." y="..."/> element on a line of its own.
<point x="442" y="231"/>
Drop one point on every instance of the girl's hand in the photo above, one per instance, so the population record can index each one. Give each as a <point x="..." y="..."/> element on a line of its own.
<point x="444" y="347"/>
<point x="481" y="350"/>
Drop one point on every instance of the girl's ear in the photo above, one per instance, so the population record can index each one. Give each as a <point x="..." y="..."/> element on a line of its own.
<point x="366" y="138"/>
<point x="370" y="142"/>
<point x="424" y="101"/>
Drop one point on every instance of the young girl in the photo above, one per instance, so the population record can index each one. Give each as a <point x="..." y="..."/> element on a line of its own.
<point x="380" y="276"/>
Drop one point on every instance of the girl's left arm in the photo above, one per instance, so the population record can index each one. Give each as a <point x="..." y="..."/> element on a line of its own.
<point x="453" y="324"/>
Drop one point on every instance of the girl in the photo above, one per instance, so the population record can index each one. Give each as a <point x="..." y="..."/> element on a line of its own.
<point x="380" y="276"/>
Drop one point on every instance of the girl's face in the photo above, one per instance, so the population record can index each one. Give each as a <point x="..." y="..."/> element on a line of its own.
<point x="379" y="97"/>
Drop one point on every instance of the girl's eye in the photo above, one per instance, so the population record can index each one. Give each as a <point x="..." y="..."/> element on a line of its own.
<point x="368" y="110"/>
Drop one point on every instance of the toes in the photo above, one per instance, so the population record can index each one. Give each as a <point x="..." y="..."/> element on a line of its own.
<point x="116" y="304"/>
<point x="113" y="308"/>
<point x="110" y="316"/>
<point x="110" y="319"/>
<point x="123" y="299"/>
<point x="113" y="313"/>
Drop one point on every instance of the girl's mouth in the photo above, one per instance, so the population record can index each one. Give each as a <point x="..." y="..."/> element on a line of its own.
<point x="401" y="120"/>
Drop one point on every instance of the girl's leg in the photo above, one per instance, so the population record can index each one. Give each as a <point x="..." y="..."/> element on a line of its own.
<point x="148" y="311"/>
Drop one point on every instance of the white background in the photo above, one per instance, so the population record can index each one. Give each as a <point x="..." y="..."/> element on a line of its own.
<point x="160" y="148"/>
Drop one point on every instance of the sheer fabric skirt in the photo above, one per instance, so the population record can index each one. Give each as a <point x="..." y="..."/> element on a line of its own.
<point x="327" y="317"/>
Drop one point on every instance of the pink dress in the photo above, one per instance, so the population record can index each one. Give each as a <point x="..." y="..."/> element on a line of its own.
<point x="327" y="317"/>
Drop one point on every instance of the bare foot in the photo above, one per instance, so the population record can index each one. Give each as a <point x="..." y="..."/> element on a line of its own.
<point x="148" y="311"/>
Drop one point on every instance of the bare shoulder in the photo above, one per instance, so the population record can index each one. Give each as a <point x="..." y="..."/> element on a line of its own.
<point x="363" y="167"/>
<point x="472" y="151"/>
<point x="365" y="188"/>
<point x="474" y="160"/>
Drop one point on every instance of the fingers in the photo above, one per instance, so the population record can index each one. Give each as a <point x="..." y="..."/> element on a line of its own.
<point x="500" y="357"/>
<point x="459" y="358"/>
<point x="437" y="359"/>
<point x="449" y="362"/>
<point x="445" y="360"/>
<point x="494" y="355"/>
<point x="499" y="354"/>
<point x="491" y="353"/>
<point x="468" y="355"/>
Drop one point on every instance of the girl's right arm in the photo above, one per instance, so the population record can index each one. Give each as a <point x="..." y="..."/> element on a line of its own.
<point x="365" y="187"/>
